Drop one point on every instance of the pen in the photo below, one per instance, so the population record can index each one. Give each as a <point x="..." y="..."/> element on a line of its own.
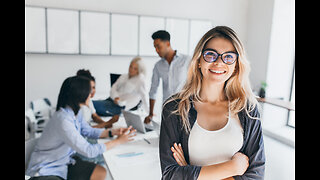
<point x="146" y="140"/>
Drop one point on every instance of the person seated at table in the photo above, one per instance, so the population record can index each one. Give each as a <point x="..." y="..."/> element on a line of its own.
<point x="128" y="90"/>
<point x="90" y="112"/>
<point x="90" y="115"/>
<point x="53" y="155"/>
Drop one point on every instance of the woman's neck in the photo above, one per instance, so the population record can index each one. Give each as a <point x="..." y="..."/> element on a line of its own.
<point x="129" y="76"/>
<point x="212" y="92"/>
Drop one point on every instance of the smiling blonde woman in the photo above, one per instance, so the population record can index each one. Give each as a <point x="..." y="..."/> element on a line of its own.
<point x="214" y="118"/>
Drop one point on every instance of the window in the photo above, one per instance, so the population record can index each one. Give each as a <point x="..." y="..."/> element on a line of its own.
<point x="291" y="114"/>
<point x="280" y="71"/>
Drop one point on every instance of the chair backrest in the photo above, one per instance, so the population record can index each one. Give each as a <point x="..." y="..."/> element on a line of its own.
<point x="34" y="124"/>
<point x="41" y="107"/>
<point x="29" y="147"/>
<point x="27" y="128"/>
<point x="30" y="115"/>
<point x="113" y="78"/>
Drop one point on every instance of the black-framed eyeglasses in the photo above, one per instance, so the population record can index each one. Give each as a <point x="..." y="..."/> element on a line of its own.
<point x="210" y="55"/>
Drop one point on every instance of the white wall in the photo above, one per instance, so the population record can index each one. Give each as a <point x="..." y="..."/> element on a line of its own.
<point x="227" y="12"/>
<point x="258" y="39"/>
<point x="45" y="73"/>
<point x="280" y="160"/>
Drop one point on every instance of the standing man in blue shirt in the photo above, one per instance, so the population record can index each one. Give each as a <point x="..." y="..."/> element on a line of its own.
<point x="171" y="68"/>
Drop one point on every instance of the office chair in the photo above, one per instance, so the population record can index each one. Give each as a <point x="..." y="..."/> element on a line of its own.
<point x="38" y="115"/>
<point x="113" y="78"/>
<point x="29" y="147"/>
<point x="34" y="125"/>
<point x="42" y="108"/>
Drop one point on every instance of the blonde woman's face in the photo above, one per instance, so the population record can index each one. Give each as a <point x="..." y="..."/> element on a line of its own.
<point x="133" y="69"/>
<point x="218" y="71"/>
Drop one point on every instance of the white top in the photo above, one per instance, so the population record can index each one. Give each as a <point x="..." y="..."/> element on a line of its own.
<point x="130" y="91"/>
<point x="88" y="111"/>
<point x="213" y="147"/>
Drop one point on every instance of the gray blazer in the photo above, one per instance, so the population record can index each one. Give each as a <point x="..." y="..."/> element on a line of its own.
<point x="172" y="131"/>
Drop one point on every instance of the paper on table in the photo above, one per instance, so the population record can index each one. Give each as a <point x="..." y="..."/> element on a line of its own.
<point x="129" y="154"/>
<point x="141" y="153"/>
<point x="135" y="158"/>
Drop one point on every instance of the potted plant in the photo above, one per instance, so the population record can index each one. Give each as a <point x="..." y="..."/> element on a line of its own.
<point x="262" y="92"/>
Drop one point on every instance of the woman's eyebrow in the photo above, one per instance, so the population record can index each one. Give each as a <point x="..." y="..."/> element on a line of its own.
<point x="206" y="49"/>
<point x="217" y="51"/>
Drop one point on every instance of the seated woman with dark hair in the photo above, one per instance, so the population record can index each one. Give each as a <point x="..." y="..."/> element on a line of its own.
<point x="53" y="155"/>
<point x="89" y="111"/>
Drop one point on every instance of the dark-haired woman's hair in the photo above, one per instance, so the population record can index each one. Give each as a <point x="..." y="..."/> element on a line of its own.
<point x="161" y="34"/>
<point x="74" y="90"/>
<point x="85" y="73"/>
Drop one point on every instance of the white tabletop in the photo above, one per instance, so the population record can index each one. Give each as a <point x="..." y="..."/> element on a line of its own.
<point x="136" y="159"/>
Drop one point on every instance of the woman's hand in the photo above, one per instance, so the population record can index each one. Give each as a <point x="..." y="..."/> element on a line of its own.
<point x="178" y="154"/>
<point x="117" y="131"/>
<point x="126" y="134"/>
<point x="241" y="163"/>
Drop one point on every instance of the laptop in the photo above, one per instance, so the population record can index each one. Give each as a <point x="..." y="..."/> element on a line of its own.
<point x="137" y="122"/>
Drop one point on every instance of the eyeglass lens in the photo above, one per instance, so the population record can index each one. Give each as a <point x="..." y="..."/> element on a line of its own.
<point x="227" y="57"/>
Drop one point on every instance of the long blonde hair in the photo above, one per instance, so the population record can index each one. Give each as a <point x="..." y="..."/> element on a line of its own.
<point x="237" y="88"/>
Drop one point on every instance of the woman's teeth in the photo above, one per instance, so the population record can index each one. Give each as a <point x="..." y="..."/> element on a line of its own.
<point x="219" y="72"/>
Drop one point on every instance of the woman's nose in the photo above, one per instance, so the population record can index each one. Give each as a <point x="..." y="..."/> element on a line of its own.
<point x="219" y="60"/>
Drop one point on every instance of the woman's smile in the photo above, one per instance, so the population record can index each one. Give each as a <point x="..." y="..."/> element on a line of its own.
<point x="217" y="72"/>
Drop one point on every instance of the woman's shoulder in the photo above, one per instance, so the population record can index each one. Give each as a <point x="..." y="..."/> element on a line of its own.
<point x="64" y="115"/>
<point x="250" y="116"/>
<point x="172" y="102"/>
<point x="141" y="77"/>
<point x="169" y="113"/>
<point x="124" y="76"/>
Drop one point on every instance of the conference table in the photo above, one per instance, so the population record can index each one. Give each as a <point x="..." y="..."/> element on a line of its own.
<point x="137" y="159"/>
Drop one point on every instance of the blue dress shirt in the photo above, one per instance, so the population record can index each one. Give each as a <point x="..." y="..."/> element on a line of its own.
<point x="61" y="138"/>
<point x="173" y="76"/>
